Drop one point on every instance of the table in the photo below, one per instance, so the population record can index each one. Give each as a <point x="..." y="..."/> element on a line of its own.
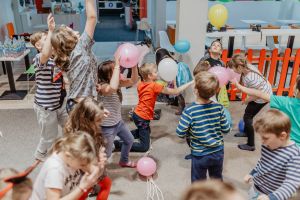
<point x="291" y="33"/>
<point x="231" y="34"/>
<point x="288" y="21"/>
<point x="14" y="94"/>
<point x="253" y="21"/>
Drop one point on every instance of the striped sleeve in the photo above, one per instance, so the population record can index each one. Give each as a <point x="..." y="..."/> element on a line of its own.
<point x="291" y="182"/>
<point x="184" y="124"/>
<point x="225" y="126"/>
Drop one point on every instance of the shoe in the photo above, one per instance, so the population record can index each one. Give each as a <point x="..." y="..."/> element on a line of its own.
<point x="129" y="164"/>
<point x="240" y="134"/>
<point x="246" y="147"/>
<point x="188" y="157"/>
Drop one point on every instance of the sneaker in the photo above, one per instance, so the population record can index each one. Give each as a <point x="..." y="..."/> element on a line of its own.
<point x="129" y="164"/>
<point x="246" y="147"/>
<point x="240" y="134"/>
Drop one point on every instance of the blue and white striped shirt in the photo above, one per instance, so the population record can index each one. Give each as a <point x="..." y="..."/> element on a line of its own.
<point x="205" y="124"/>
<point x="49" y="91"/>
<point x="277" y="173"/>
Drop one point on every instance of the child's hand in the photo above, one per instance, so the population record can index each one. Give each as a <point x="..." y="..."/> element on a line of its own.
<point x="102" y="158"/>
<point x="98" y="87"/>
<point x="89" y="179"/>
<point x="248" y="178"/>
<point x="263" y="197"/>
<point x="51" y="22"/>
<point x="106" y="112"/>
<point x="236" y="83"/>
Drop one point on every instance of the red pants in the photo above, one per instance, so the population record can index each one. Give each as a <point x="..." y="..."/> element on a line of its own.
<point x="105" y="185"/>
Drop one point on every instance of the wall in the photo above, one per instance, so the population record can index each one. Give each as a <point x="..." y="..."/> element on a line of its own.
<point x="6" y="15"/>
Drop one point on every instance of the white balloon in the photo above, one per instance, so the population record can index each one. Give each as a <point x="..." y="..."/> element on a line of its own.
<point x="167" y="69"/>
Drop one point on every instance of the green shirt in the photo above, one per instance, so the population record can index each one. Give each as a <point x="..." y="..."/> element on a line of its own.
<point x="291" y="107"/>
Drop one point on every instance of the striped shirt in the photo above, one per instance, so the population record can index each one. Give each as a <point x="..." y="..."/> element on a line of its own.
<point x="113" y="104"/>
<point x="49" y="82"/>
<point x="255" y="80"/>
<point x="205" y="124"/>
<point x="277" y="173"/>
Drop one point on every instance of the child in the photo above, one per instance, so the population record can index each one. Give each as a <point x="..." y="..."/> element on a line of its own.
<point x="277" y="173"/>
<point x="50" y="93"/>
<point x="211" y="190"/>
<point x="250" y="77"/>
<point x="87" y="116"/>
<point x="288" y="105"/>
<point x="201" y="66"/>
<point x="214" y="54"/>
<point x="109" y="89"/>
<point x="73" y="54"/>
<point x="148" y="90"/>
<point x="205" y="122"/>
<point x="60" y="175"/>
<point x="18" y="189"/>
<point x="161" y="54"/>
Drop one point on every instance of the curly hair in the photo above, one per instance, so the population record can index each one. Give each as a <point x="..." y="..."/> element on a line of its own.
<point x="63" y="41"/>
<point x="84" y="118"/>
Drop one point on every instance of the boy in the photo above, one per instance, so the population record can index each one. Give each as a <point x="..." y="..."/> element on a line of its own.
<point x="211" y="190"/>
<point x="277" y="173"/>
<point x="50" y="93"/>
<point x="148" y="90"/>
<point x="205" y="122"/>
<point x="213" y="55"/>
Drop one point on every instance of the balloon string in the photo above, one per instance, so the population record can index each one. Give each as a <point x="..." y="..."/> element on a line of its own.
<point x="153" y="190"/>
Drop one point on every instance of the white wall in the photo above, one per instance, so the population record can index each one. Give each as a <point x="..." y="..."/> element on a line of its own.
<point x="6" y="15"/>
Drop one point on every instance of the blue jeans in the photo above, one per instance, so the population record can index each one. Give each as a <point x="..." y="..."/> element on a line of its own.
<point x="213" y="163"/>
<point x="121" y="130"/>
<point x="142" y="133"/>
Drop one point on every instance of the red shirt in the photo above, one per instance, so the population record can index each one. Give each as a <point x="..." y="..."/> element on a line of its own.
<point x="147" y="92"/>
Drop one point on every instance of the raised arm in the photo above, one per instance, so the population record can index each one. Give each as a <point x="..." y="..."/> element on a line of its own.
<point x="175" y="91"/>
<point x="91" y="17"/>
<point x="253" y="92"/>
<point x="130" y="81"/>
<point x="47" y="47"/>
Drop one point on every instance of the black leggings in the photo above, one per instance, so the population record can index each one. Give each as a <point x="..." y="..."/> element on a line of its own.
<point x="251" y="110"/>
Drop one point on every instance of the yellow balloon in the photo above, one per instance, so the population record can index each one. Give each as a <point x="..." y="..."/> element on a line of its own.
<point x="218" y="15"/>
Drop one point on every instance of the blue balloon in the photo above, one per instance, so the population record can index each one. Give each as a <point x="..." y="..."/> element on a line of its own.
<point x="241" y="126"/>
<point x="228" y="116"/>
<point x="182" y="46"/>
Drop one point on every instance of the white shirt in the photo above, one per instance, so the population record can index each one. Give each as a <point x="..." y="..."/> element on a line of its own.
<point x="55" y="174"/>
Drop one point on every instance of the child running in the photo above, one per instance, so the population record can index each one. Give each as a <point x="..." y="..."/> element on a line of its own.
<point x="148" y="90"/>
<point x="288" y="105"/>
<point x="204" y="121"/>
<point x="73" y="54"/>
<point x="110" y="94"/>
<point x="252" y="78"/>
<point x="277" y="173"/>
<point x="50" y="93"/>
<point x="61" y="177"/>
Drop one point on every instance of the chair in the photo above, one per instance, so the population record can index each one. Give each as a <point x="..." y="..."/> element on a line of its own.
<point x="143" y="25"/>
<point x="164" y="41"/>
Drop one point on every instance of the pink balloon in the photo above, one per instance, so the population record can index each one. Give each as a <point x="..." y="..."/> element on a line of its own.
<point x="129" y="54"/>
<point x="233" y="75"/>
<point x="146" y="166"/>
<point x="221" y="73"/>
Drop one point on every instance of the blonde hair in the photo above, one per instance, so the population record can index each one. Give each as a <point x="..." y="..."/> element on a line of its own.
<point x="146" y="69"/>
<point x="209" y="190"/>
<point x="273" y="121"/>
<point x="82" y="118"/>
<point x="18" y="190"/>
<point x="79" y="144"/>
<point x="35" y="37"/>
<point x="203" y="65"/>
<point x="63" y="41"/>
<point x="206" y="84"/>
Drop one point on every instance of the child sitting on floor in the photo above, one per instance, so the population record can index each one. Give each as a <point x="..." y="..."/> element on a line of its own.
<point x="277" y="173"/>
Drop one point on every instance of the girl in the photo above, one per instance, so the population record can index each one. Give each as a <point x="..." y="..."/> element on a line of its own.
<point x="87" y="116"/>
<point x="160" y="54"/>
<point x="60" y="176"/>
<point x="109" y="89"/>
<point x="250" y="77"/>
<point x="288" y="105"/>
<point x="73" y="54"/>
